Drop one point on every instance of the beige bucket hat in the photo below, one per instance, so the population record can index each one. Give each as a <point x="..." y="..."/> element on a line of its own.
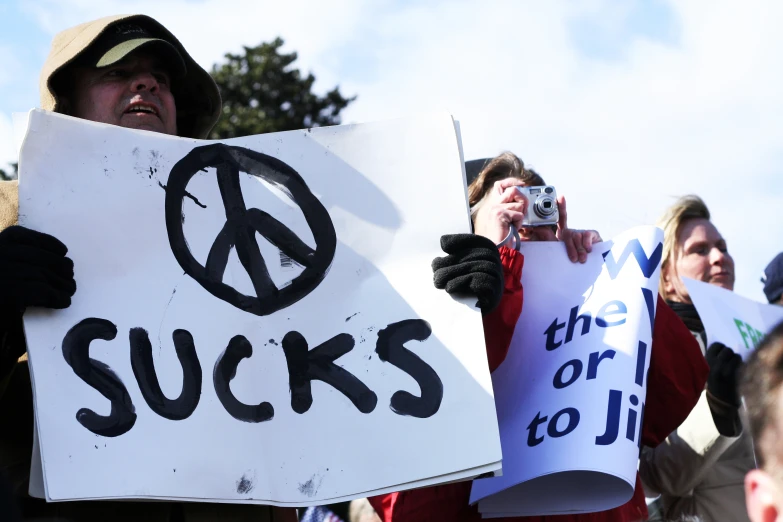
<point x="196" y="94"/>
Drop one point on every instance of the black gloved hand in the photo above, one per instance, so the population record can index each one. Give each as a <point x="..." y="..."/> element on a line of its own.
<point x="472" y="268"/>
<point x="724" y="373"/>
<point x="33" y="271"/>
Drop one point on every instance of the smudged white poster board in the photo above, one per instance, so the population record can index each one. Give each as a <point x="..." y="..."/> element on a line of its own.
<point x="255" y="321"/>
<point x="738" y="322"/>
<point x="570" y="394"/>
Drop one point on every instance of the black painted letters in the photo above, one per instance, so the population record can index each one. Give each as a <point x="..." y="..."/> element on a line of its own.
<point x="144" y="370"/>
<point x="76" y="351"/>
<point x="391" y="349"/>
<point x="305" y="365"/>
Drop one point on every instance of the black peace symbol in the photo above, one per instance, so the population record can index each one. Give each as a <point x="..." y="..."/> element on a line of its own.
<point x="243" y="223"/>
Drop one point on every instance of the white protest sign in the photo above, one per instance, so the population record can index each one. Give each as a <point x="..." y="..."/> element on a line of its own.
<point x="570" y="394"/>
<point x="738" y="322"/>
<point x="255" y="320"/>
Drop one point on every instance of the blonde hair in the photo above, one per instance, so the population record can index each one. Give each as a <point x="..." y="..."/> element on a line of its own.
<point x="684" y="209"/>
<point x="505" y="165"/>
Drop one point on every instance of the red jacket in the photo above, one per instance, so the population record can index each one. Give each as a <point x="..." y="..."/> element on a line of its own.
<point x="677" y="375"/>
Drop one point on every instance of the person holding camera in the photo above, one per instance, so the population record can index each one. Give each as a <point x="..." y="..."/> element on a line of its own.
<point x="699" y="471"/>
<point x="677" y="369"/>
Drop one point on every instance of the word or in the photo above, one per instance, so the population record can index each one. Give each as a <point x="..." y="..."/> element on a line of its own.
<point x="613" y="408"/>
<point x="304" y="366"/>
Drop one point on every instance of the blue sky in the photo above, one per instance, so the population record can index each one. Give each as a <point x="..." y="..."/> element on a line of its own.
<point x="622" y="104"/>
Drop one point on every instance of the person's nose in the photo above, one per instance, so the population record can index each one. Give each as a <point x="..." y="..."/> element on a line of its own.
<point x="717" y="257"/>
<point x="144" y="80"/>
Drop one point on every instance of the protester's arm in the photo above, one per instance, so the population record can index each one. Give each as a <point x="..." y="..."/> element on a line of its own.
<point x="677" y="466"/>
<point x="11" y="344"/>
<point x="676" y="378"/>
<point x="500" y="323"/>
<point x="33" y="272"/>
<point x="677" y="375"/>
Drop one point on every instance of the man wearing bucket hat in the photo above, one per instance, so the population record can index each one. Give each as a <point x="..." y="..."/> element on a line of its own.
<point x="132" y="72"/>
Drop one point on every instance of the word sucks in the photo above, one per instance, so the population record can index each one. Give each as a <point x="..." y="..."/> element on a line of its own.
<point x="304" y="366"/>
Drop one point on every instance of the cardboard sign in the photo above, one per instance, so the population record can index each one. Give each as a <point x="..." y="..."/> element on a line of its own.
<point x="738" y="322"/>
<point x="255" y="320"/>
<point x="570" y="394"/>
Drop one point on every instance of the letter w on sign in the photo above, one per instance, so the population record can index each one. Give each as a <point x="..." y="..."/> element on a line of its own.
<point x="647" y="264"/>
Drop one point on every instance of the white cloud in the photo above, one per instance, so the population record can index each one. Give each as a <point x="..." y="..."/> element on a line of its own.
<point x="620" y="138"/>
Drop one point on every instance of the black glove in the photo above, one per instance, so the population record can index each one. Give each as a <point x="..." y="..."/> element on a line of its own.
<point x="33" y="271"/>
<point x="472" y="268"/>
<point x="723" y="377"/>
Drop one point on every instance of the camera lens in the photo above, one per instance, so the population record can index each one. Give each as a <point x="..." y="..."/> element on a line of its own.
<point x="548" y="190"/>
<point x="544" y="207"/>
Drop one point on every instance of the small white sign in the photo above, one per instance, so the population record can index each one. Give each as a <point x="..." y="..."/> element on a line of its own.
<point x="738" y="322"/>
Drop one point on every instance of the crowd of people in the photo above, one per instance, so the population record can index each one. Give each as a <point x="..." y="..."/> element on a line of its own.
<point x="702" y="457"/>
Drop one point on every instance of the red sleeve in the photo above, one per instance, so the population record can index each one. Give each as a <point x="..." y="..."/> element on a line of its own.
<point x="500" y="323"/>
<point x="677" y="376"/>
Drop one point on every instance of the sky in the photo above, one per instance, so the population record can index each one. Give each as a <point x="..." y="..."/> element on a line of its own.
<point x="623" y="105"/>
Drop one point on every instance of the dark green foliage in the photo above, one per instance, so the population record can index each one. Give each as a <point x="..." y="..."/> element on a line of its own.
<point x="262" y="92"/>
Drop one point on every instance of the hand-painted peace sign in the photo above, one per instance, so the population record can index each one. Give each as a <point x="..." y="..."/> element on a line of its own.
<point x="243" y="223"/>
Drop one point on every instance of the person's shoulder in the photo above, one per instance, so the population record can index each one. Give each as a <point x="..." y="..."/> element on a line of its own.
<point x="9" y="203"/>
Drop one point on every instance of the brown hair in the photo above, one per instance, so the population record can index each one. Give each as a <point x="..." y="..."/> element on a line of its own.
<point x="760" y="385"/>
<point x="685" y="208"/>
<point x="505" y="165"/>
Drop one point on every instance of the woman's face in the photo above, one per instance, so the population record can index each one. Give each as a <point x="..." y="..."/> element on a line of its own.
<point x="701" y="254"/>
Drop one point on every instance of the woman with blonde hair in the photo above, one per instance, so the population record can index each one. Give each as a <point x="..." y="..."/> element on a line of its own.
<point x="496" y="206"/>
<point x="699" y="471"/>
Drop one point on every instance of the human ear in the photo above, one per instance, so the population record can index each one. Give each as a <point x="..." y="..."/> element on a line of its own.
<point x="668" y="280"/>
<point x="761" y="497"/>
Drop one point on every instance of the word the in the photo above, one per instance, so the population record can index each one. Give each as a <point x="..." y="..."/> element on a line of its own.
<point x="612" y="308"/>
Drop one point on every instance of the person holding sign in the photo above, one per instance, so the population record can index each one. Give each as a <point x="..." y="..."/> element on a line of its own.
<point x="761" y="389"/>
<point x="699" y="471"/>
<point x="677" y="368"/>
<point x="132" y="72"/>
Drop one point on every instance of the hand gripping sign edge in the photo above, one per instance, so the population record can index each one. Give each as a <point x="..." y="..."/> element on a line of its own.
<point x="242" y="224"/>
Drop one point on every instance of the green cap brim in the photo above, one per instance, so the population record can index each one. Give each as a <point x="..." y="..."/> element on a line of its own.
<point x="123" y="49"/>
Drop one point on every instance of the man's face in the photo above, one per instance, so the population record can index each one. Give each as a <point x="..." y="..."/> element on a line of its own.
<point x="134" y="93"/>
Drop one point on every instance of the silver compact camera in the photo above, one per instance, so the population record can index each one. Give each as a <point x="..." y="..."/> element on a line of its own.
<point x="542" y="206"/>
